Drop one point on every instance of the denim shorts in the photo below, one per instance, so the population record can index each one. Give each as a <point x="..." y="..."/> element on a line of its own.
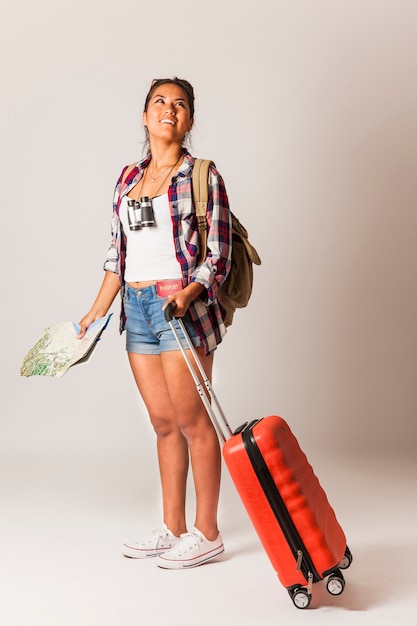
<point x="147" y="331"/>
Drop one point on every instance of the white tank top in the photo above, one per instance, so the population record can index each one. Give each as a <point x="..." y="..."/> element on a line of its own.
<point x="150" y="251"/>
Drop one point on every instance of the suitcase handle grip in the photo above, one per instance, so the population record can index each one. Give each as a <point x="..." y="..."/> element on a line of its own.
<point x="168" y="311"/>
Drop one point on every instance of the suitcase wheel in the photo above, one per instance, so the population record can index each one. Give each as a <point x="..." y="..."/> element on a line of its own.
<point x="335" y="583"/>
<point x="347" y="559"/>
<point x="301" y="597"/>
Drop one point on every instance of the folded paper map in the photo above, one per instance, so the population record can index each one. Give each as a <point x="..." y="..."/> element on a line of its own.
<point x="58" y="348"/>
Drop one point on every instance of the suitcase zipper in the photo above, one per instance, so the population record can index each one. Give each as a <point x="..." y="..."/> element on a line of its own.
<point x="296" y="544"/>
<point x="299" y="559"/>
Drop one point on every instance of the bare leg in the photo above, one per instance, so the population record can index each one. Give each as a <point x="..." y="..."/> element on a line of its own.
<point x="181" y="425"/>
<point x="171" y="445"/>
<point x="202" y="440"/>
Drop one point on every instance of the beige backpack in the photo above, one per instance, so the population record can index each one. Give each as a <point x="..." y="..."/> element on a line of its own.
<point x="236" y="290"/>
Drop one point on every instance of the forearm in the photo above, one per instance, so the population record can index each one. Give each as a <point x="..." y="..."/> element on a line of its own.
<point x="193" y="291"/>
<point x="183" y="298"/>
<point x="107" y="293"/>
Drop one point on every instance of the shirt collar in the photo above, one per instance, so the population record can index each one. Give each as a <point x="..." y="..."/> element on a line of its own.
<point x="183" y="170"/>
<point x="137" y="172"/>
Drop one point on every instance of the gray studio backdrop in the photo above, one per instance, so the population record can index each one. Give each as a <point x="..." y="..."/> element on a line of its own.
<point x="308" y="107"/>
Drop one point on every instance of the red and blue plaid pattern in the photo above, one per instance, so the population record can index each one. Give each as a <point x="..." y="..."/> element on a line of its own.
<point x="207" y="314"/>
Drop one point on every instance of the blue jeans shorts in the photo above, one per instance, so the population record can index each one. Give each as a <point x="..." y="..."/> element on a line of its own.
<point x="147" y="331"/>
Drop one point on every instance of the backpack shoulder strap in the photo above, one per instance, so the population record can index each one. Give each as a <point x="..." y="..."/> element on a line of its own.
<point x="200" y="198"/>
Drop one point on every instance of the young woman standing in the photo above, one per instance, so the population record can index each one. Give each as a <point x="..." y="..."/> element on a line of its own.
<point x="152" y="260"/>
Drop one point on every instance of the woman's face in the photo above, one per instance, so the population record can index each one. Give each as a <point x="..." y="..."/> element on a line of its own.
<point x="168" y="113"/>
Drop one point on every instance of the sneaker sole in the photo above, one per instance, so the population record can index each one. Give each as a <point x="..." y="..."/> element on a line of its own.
<point x="136" y="553"/>
<point x="188" y="564"/>
<point x="131" y="555"/>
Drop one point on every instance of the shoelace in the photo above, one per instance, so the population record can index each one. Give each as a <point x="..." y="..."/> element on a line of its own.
<point x="188" y="542"/>
<point x="156" y="536"/>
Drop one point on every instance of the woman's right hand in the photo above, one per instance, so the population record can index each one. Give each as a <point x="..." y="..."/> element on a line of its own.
<point x="85" y="323"/>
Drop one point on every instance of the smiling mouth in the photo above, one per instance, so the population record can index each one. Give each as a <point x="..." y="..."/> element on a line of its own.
<point x="166" y="121"/>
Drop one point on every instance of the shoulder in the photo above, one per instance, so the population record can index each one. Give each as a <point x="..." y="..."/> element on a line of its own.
<point x="206" y="165"/>
<point x="214" y="176"/>
<point x="130" y="171"/>
<point x="127" y="172"/>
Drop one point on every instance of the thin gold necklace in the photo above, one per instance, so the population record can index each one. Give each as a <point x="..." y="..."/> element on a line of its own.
<point x="154" y="179"/>
<point x="169" y="172"/>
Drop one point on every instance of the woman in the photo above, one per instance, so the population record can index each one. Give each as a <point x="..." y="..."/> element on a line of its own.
<point x="153" y="265"/>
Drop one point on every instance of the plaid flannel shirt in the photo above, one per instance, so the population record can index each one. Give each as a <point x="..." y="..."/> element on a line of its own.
<point x="207" y="314"/>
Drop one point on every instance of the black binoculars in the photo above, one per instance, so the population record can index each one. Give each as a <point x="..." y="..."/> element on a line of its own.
<point x="140" y="213"/>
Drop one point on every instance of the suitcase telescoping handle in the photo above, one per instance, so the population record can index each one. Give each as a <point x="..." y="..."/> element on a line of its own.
<point x="222" y="426"/>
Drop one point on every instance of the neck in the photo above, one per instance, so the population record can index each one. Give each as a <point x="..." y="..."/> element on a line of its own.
<point x="164" y="156"/>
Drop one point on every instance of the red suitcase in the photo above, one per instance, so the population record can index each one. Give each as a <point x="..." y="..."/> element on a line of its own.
<point x="283" y="497"/>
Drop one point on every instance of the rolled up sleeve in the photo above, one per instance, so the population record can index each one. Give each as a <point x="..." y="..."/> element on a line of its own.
<point x="216" y="265"/>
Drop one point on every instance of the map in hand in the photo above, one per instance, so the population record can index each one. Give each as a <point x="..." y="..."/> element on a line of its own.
<point x="58" y="348"/>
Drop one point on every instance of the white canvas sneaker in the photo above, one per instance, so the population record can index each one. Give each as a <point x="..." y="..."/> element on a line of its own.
<point x="160" y="541"/>
<point x="193" y="549"/>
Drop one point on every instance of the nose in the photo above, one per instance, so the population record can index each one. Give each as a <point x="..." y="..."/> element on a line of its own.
<point x="169" y="109"/>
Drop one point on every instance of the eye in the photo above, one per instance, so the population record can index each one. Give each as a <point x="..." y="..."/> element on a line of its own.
<point x="181" y="104"/>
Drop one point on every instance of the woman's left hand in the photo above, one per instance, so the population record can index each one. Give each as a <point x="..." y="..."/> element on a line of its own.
<point x="182" y="299"/>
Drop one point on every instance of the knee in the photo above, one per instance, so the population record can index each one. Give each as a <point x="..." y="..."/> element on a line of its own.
<point x="163" y="426"/>
<point x="197" y="430"/>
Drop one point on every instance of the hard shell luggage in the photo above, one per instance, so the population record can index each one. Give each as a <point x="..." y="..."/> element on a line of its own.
<point x="288" y="507"/>
<point x="281" y="493"/>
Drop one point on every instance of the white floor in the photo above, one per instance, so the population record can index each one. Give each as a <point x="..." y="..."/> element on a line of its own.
<point x="63" y="520"/>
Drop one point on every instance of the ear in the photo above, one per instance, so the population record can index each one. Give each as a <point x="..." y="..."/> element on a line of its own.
<point x="144" y="118"/>
<point x="191" y="124"/>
